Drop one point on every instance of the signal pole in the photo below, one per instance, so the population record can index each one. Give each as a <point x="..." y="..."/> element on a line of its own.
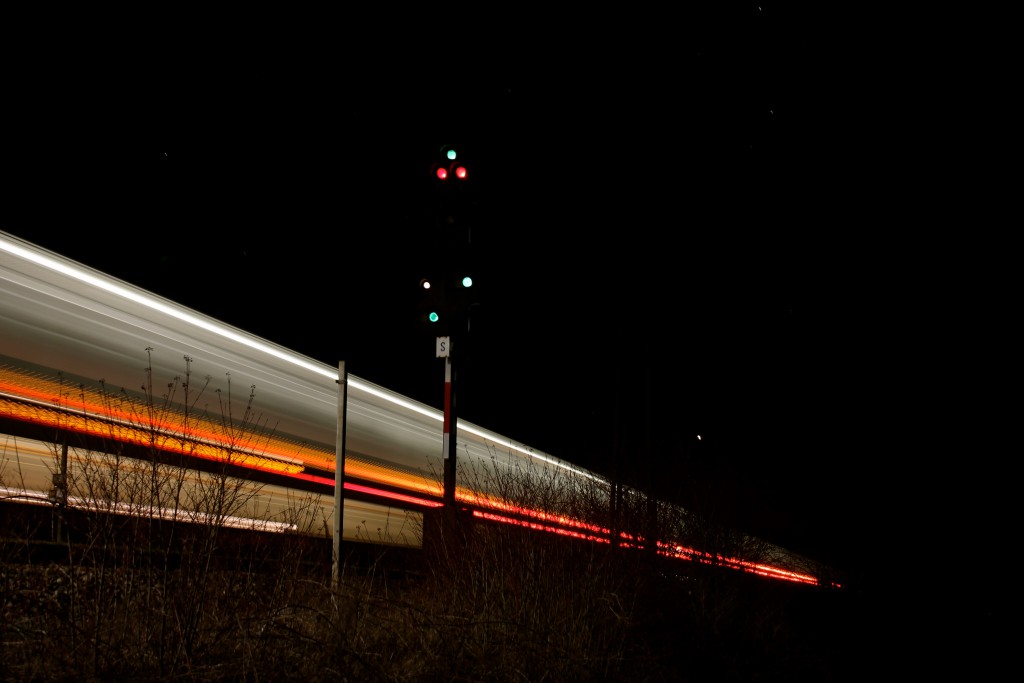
<point x="449" y="439"/>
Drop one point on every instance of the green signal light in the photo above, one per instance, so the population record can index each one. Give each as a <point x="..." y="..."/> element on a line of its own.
<point x="433" y="317"/>
<point x="450" y="154"/>
<point x="467" y="281"/>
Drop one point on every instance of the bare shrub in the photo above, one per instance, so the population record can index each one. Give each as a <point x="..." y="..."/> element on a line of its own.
<point x="152" y="581"/>
<point x="155" y="583"/>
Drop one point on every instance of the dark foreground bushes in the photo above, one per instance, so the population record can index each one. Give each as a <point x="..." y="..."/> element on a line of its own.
<point x="482" y="602"/>
<point x="144" y="578"/>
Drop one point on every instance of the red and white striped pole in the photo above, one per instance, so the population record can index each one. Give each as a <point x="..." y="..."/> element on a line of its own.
<point x="448" y="440"/>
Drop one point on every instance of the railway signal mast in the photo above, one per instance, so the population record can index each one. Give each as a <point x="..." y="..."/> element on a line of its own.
<point x="445" y="300"/>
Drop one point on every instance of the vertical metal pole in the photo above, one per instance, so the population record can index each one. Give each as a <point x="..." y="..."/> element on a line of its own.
<point x="339" y="473"/>
<point x="449" y="439"/>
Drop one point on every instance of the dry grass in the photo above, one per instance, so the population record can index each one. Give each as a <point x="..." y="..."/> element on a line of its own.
<point x="142" y="597"/>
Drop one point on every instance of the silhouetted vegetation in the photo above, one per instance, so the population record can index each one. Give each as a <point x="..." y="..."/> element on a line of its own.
<point x="152" y="583"/>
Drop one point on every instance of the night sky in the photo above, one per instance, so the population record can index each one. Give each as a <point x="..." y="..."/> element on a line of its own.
<point x="706" y="234"/>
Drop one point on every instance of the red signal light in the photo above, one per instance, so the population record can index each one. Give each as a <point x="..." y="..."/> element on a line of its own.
<point x="450" y="167"/>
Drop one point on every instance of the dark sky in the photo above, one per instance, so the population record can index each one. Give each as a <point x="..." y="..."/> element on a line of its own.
<point x="706" y="232"/>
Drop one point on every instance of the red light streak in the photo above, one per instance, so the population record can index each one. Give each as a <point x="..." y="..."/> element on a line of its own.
<point x="392" y="495"/>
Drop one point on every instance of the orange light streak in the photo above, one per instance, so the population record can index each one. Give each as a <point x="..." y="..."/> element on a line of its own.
<point x="141" y="428"/>
<point x="141" y="437"/>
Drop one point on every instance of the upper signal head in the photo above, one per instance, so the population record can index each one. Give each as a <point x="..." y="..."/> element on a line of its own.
<point x="449" y="167"/>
